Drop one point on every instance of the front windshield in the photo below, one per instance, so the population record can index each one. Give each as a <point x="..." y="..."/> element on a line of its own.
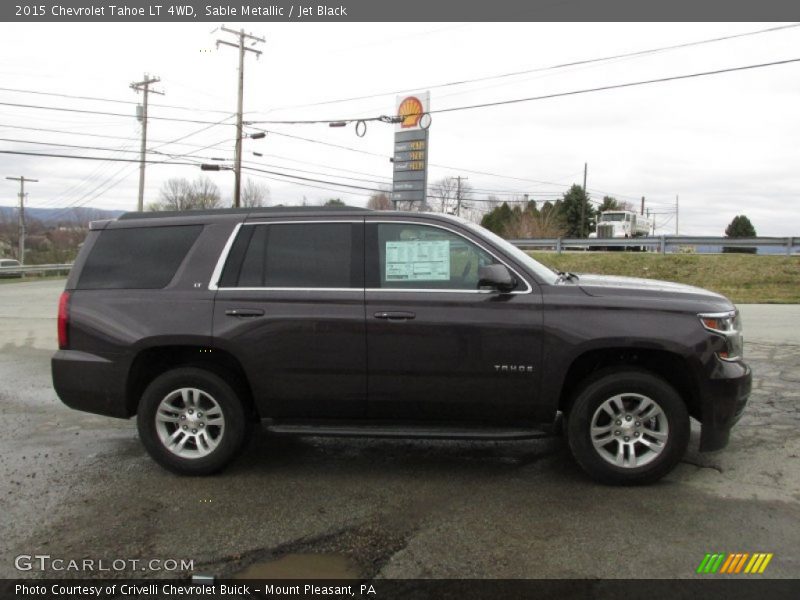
<point x="545" y="273"/>
<point x="607" y="217"/>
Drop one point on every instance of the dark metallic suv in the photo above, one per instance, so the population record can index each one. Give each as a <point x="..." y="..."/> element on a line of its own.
<point x="354" y="322"/>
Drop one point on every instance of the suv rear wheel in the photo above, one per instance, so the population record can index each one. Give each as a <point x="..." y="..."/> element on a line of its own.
<point x="191" y="421"/>
<point x="628" y="427"/>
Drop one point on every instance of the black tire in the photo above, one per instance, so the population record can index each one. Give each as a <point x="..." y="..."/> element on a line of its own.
<point x="605" y="386"/>
<point x="231" y="437"/>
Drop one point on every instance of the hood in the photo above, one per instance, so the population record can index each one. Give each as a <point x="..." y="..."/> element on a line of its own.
<point x="612" y="285"/>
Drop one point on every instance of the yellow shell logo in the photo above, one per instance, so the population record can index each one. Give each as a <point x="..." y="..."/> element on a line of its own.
<point x="411" y="111"/>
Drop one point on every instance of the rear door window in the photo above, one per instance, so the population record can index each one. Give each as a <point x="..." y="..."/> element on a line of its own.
<point x="137" y="258"/>
<point x="296" y="255"/>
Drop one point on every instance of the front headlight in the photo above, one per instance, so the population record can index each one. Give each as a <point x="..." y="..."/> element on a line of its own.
<point x="728" y="325"/>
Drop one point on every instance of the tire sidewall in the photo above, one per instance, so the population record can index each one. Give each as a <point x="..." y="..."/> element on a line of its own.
<point x="603" y="387"/>
<point x="235" y="422"/>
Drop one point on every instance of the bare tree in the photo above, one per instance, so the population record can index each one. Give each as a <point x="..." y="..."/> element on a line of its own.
<point x="380" y="201"/>
<point x="254" y="194"/>
<point x="180" y="194"/>
<point x="444" y="194"/>
<point x="174" y="195"/>
<point x="205" y="194"/>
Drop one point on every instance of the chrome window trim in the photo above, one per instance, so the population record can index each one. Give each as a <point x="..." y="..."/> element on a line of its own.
<point x="223" y="257"/>
<point x="217" y="273"/>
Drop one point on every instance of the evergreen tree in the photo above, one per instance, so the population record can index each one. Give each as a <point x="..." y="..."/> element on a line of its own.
<point x="738" y="228"/>
<point x="571" y="212"/>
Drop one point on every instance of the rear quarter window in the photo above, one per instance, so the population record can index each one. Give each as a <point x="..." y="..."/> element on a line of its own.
<point x="137" y="258"/>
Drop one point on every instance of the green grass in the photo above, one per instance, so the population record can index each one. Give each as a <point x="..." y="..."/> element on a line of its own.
<point x="744" y="278"/>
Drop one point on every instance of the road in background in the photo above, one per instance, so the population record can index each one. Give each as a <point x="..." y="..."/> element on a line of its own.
<point x="77" y="485"/>
<point x="771" y="323"/>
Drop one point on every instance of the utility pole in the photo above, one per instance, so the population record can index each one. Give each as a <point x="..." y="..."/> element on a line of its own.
<point x="237" y="169"/>
<point x="586" y="199"/>
<point x="143" y="86"/>
<point x="676" y="214"/>
<point x="458" y="194"/>
<point x="22" y="179"/>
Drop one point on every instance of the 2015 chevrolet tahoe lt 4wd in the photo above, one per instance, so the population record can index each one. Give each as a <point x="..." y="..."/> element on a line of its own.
<point x="354" y="322"/>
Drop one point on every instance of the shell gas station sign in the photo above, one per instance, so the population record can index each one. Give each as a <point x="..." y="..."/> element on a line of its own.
<point x="411" y="148"/>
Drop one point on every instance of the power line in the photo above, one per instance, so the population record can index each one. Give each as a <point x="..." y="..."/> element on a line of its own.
<point x="309" y="185"/>
<point x="193" y="133"/>
<point x="386" y="157"/>
<point x="83" y="200"/>
<point x="297" y="137"/>
<point x="391" y="119"/>
<point x="548" y="68"/>
<point x="128" y="160"/>
<point x="113" y="100"/>
<point x="110" y="137"/>
<point x="617" y="86"/>
<point x="103" y="148"/>
<point x="385" y="181"/>
<point x="377" y="182"/>
<point x="100" y="112"/>
<point x="313" y="180"/>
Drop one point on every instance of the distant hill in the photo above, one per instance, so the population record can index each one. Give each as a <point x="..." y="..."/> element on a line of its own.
<point x="54" y="216"/>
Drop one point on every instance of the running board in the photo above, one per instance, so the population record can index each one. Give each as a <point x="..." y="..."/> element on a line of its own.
<point x="426" y="432"/>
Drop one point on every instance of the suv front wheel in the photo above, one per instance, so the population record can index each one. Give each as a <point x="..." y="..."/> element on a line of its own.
<point x="191" y="421"/>
<point x="628" y="427"/>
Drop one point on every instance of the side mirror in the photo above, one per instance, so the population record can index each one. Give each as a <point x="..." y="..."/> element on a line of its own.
<point x="496" y="277"/>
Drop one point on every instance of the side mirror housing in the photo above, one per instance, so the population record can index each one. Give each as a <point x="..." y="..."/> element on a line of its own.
<point x="496" y="277"/>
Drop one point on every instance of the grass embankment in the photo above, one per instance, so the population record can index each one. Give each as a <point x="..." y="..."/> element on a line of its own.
<point x="744" y="278"/>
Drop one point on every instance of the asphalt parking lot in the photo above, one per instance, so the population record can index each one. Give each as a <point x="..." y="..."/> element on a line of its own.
<point x="79" y="486"/>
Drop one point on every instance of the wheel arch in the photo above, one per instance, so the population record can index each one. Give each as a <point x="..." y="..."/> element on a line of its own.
<point x="673" y="368"/>
<point x="151" y="362"/>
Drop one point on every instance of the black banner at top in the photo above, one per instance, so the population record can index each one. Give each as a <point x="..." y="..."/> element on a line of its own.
<point x="399" y="10"/>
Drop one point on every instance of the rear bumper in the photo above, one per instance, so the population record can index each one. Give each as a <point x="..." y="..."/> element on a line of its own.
<point x="724" y="399"/>
<point x="89" y="383"/>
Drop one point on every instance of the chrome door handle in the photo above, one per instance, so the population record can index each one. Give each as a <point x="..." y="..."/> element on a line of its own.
<point x="395" y="315"/>
<point x="244" y="312"/>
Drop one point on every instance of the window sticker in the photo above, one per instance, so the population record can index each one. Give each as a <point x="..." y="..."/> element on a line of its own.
<point x="418" y="260"/>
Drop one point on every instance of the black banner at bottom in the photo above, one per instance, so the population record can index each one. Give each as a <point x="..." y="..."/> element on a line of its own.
<point x="311" y="589"/>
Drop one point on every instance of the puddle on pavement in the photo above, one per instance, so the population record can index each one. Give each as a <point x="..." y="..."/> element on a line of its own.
<point x="302" y="566"/>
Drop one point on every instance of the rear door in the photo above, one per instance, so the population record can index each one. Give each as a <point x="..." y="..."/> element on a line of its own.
<point x="439" y="348"/>
<point x="290" y="307"/>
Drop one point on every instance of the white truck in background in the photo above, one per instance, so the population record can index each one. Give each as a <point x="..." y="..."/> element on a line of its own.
<point x="620" y="224"/>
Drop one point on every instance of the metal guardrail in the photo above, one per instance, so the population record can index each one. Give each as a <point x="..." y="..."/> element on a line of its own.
<point x="39" y="269"/>
<point x="660" y="243"/>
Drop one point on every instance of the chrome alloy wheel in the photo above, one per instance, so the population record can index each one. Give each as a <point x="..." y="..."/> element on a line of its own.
<point x="190" y="423"/>
<point x="629" y="430"/>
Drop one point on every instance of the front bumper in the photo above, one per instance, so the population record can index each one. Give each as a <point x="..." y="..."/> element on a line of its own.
<point x="725" y="396"/>
<point x="89" y="383"/>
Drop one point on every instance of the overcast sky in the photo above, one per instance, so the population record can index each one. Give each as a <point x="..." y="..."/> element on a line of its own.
<point x="726" y="144"/>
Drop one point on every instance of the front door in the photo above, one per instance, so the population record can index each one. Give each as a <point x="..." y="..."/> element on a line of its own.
<point x="438" y="346"/>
